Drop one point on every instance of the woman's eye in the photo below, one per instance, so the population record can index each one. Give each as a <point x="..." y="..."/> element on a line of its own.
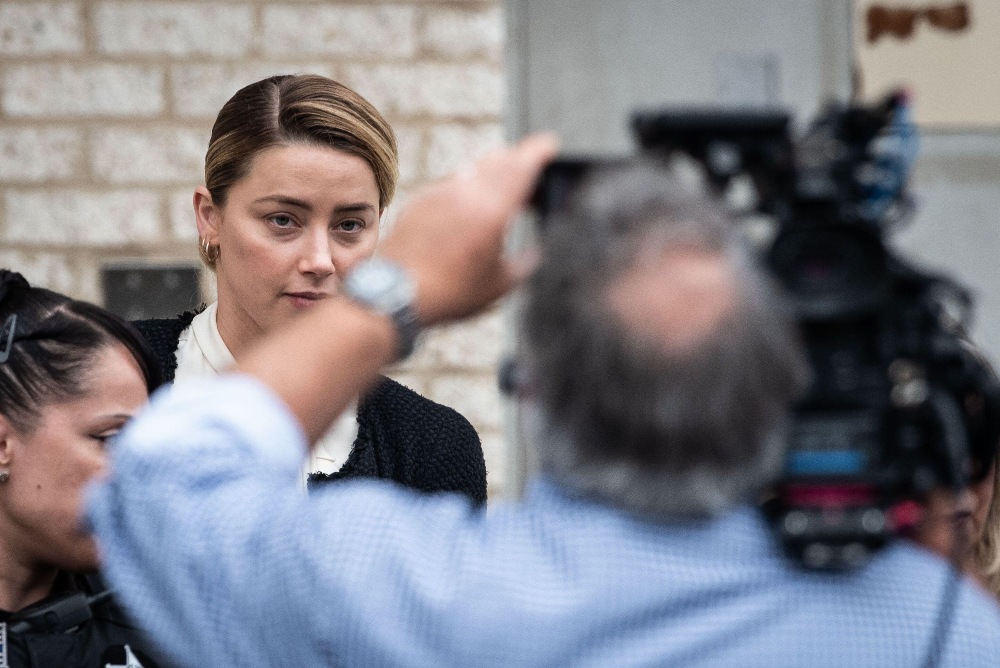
<point x="351" y="225"/>
<point x="104" y="437"/>
<point x="281" y="220"/>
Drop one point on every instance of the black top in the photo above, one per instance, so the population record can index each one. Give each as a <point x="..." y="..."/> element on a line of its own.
<point x="402" y="436"/>
<point x="63" y="630"/>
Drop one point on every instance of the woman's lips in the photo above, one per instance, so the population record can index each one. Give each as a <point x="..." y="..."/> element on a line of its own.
<point x="305" y="299"/>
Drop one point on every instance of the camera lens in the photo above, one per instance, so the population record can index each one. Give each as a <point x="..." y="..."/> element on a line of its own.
<point x="831" y="271"/>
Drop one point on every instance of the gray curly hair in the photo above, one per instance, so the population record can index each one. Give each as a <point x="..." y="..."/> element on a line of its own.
<point x="676" y="430"/>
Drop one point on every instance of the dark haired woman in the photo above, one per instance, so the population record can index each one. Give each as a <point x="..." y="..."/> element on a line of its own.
<point x="71" y="374"/>
<point x="298" y="173"/>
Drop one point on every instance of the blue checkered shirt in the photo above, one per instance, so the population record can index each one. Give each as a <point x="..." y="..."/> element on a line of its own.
<point x="214" y="548"/>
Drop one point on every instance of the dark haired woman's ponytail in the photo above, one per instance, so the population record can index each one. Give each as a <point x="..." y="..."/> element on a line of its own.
<point x="11" y="279"/>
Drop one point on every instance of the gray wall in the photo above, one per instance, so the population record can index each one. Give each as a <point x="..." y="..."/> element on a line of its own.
<point x="582" y="66"/>
<point x="957" y="186"/>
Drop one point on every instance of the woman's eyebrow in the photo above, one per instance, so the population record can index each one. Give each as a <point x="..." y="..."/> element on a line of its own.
<point x="118" y="416"/>
<point x="109" y="420"/>
<point x="285" y="200"/>
<point x="360" y="207"/>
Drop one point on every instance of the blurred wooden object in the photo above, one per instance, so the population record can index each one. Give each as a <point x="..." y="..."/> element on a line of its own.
<point x="900" y="22"/>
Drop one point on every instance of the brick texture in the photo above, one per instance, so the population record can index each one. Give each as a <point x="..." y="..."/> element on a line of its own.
<point x="106" y="107"/>
<point x="445" y="90"/>
<point x="451" y="145"/>
<point x="40" y="28"/>
<point x="176" y="29"/>
<point x="70" y="217"/>
<point x="477" y="397"/>
<point x="458" y="34"/>
<point x="56" y="271"/>
<point x="40" y="91"/>
<point x="386" y="31"/>
<point x="476" y="344"/>
<point x="182" y="224"/>
<point x="160" y="155"/>
<point x="39" y="155"/>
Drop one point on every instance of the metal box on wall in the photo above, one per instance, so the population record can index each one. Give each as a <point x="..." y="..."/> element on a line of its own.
<point x="136" y="291"/>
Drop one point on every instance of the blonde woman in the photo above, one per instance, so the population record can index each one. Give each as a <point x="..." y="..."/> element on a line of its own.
<point x="298" y="174"/>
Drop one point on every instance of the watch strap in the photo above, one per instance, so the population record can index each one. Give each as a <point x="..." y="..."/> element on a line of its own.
<point x="386" y="288"/>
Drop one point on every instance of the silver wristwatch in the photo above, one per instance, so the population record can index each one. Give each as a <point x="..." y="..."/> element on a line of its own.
<point x="385" y="287"/>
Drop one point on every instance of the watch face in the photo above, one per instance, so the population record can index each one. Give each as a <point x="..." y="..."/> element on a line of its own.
<point x="382" y="285"/>
<point x="380" y="278"/>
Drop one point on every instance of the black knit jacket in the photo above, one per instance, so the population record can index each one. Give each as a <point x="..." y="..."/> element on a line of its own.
<point x="402" y="436"/>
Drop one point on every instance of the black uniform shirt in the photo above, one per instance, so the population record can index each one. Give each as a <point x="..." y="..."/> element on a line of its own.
<point x="108" y="638"/>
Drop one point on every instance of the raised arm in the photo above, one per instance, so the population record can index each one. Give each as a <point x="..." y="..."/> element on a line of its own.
<point x="450" y="238"/>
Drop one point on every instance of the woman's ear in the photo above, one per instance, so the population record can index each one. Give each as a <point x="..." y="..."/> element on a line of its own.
<point x="207" y="215"/>
<point x="6" y="442"/>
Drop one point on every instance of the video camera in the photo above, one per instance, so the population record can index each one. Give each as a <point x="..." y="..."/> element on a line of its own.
<point x="900" y="402"/>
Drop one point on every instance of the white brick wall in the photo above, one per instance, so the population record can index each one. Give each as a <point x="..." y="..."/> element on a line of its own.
<point x="39" y="91"/>
<point x="477" y="397"/>
<point x="72" y="217"/>
<point x="40" y="28"/>
<point x="37" y="155"/>
<point x="75" y="276"/>
<point x="182" y="224"/>
<point x="359" y="31"/>
<point x="106" y="107"/>
<point x="159" y="155"/>
<point x="177" y="29"/>
<point x="460" y="33"/>
<point x="477" y="343"/>
<point x="436" y="89"/>
<point x="452" y="144"/>
<point x="410" y="143"/>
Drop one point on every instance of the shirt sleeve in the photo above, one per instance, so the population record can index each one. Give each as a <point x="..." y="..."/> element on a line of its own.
<point x="212" y="546"/>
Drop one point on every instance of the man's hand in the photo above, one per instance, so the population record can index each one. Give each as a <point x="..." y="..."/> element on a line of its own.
<point x="451" y="235"/>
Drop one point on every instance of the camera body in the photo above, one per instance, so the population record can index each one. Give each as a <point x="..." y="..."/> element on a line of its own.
<point x="900" y="402"/>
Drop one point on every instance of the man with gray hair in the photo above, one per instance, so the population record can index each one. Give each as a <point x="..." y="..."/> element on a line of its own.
<point x="659" y="367"/>
<point x="661" y="362"/>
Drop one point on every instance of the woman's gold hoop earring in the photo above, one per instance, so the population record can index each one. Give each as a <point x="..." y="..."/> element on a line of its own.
<point x="209" y="253"/>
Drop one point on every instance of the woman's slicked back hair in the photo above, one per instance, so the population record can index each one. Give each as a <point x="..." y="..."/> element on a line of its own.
<point x="304" y="108"/>
<point x="50" y="343"/>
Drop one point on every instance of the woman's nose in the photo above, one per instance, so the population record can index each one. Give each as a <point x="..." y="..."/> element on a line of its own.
<point x="316" y="256"/>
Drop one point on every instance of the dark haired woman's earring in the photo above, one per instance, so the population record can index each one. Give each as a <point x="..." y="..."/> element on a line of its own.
<point x="4" y="476"/>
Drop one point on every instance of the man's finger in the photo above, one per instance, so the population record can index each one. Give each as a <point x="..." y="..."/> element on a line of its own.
<point x="517" y="167"/>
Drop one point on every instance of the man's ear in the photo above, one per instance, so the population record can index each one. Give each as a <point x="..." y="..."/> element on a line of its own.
<point x="207" y="215"/>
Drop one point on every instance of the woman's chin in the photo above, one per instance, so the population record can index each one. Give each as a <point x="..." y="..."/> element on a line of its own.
<point x="81" y="558"/>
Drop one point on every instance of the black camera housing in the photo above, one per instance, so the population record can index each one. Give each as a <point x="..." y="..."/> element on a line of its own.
<point x="900" y="403"/>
